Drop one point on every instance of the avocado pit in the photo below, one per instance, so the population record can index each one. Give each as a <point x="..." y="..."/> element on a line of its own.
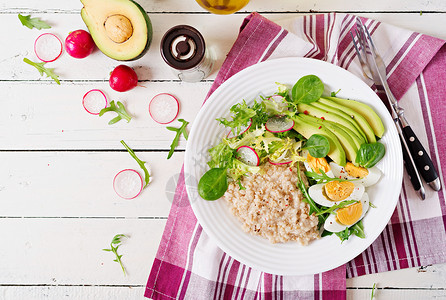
<point x="118" y="28"/>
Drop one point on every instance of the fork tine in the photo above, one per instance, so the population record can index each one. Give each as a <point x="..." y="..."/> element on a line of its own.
<point x="362" y="57"/>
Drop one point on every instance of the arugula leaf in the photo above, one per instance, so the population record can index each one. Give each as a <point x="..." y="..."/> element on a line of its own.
<point x="307" y="89"/>
<point x="179" y="131"/>
<point x="373" y="291"/>
<point x="317" y="145"/>
<point x="140" y="163"/>
<point x="323" y="177"/>
<point x="33" y="22"/>
<point x="40" y="67"/>
<point x="333" y="94"/>
<point x="120" y="110"/>
<point x="340" y="205"/>
<point x="117" y="242"/>
<point x="357" y="229"/>
<point x="313" y="207"/>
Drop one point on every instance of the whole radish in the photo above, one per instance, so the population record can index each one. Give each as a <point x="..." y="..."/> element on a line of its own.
<point x="123" y="78"/>
<point x="79" y="44"/>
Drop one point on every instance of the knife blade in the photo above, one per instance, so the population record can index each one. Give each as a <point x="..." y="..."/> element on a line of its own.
<point x="419" y="155"/>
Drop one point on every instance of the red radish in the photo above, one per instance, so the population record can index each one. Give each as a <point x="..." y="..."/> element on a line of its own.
<point x="243" y="129"/>
<point x="94" y="101"/>
<point x="123" y="78"/>
<point x="280" y="163"/>
<point x="128" y="184"/>
<point x="79" y="44"/>
<point x="164" y="108"/>
<point x="48" y="47"/>
<point x="279" y="124"/>
<point x="248" y="155"/>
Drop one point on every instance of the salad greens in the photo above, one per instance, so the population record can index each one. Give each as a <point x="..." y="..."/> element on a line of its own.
<point x="33" y="22"/>
<point x="140" y="163"/>
<point x="114" y="245"/>
<point x="120" y="110"/>
<point x="180" y="131"/>
<point x="40" y="67"/>
<point x="278" y="144"/>
<point x="369" y="155"/>
<point x="317" y="145"/>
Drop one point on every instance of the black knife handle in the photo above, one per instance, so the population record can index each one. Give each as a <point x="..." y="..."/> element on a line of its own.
<point x="420" y="156"/>
<point x="410" y="168"/>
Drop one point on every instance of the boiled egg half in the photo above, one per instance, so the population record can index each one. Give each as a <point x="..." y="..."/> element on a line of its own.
<point x="366" y="177"/>
<point x="347" y="216"/>
<point x="333" y="192"/>
<point x="314" y="164"/>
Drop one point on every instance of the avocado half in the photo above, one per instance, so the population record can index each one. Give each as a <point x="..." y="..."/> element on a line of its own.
<point x="121" y="29"/>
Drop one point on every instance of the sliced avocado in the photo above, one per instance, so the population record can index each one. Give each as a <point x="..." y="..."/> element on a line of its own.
<point x="328" y="108"/>
<point x="121" y="29"/>
<point x="307" y="129"/>
<point x="345" y="140"/>
<point x="366" y="111"/>
<point x="365" y="126"/>
<point x="330" y="116"/>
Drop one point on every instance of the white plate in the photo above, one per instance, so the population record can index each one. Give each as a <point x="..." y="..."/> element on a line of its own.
<point x="214" y="216"/>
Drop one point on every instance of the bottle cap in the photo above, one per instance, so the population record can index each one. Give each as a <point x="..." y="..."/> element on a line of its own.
<point x="182" y="47"/>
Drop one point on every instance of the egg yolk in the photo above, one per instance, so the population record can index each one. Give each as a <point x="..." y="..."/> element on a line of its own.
<point x="338" y="190"/>
<point x="317" y="164"/>
<point x="349" y="215"/>
<point x="354" y="171"/>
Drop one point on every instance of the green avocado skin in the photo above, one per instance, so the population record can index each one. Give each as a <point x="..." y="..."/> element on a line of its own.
<point x="149" y="32"/>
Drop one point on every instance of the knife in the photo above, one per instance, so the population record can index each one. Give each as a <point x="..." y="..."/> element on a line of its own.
<point x="419" y="155"/>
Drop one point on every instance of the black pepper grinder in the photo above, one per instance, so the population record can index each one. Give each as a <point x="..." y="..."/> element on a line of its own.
<point x="183" y="48"/>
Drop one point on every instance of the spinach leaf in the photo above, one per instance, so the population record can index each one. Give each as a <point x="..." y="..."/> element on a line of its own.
<point x="369" y="155"/>
<point x="317" y="145"/>
<point x="307" y="89"/>
<point x="213" y="184"/>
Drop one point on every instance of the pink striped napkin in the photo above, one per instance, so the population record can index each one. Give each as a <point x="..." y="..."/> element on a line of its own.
<point x="189" y="265"/>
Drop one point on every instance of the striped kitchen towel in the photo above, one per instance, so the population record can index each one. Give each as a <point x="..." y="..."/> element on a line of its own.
<point x="189" y="265"/>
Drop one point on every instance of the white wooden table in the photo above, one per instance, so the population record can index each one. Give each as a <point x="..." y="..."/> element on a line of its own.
<point x="57" y="205"/>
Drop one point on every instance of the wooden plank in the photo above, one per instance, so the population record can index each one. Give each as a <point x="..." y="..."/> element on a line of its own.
<point x="72" y="292"/>
<point x="397" y="294"/>
<point x="191" y="6"/>
<point x="433" y="276"/>
<point x="37" y="116"/>
<point x="80" y="184"/>
<point x="151" y="67"/>
<point x="69" y="251"/>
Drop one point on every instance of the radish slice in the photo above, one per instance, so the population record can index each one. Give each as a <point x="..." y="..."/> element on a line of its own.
<point x="164" y="108"/>
<point x="128" y="184"/>
<point x="279" y="124"/>
<point x="248" y="155"/>
<point x="48" y="47"/>
<point x="94" y="101"/>
<point x="243" y="129"/>
<point x="279" y="163"/>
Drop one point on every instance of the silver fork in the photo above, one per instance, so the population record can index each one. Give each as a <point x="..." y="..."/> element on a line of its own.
<point x="370" y="71"/>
